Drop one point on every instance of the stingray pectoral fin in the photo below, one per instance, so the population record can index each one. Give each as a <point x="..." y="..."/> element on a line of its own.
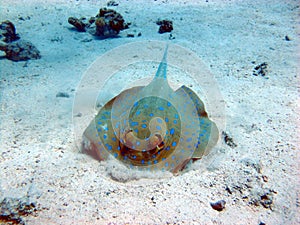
<point x="208" y="138"/>
<point x="90" y="143"/>
<point x="213" y="139"/>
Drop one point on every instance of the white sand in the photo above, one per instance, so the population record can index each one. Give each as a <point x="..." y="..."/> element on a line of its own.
<point x="39" y="157"/>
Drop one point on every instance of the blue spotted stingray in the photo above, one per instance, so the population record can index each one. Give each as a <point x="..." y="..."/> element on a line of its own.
<point x="152" y="127"/>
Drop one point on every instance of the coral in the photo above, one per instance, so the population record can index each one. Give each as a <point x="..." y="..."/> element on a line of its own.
<point x="106" y="23"/>
<point x="77" y="23"/>
<point x="109" y="22"/>
<point x="15" y="49"/>
<point x="20" y="50"/>
<point x="100" y="26"/>
<point x="8" y="32"/>
<point x="165" y="26"/>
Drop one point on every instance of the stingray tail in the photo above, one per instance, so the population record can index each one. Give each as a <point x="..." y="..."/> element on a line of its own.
<point x="162" y="69"/>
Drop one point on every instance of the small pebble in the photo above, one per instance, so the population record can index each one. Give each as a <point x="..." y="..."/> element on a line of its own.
<point x="62" y="95"/>
<point x="287" y="38"/>
<point x="265" y="178"/>
<point x="219" y="205"/>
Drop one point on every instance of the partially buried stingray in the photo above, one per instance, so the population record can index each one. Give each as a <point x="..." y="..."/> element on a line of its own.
<point x="152" y="127"/>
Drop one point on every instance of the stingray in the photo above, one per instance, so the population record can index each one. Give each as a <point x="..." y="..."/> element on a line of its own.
<point x="152" y="127"/>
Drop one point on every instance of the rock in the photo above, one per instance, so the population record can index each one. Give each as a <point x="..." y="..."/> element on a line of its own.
<point x="13" y="209"/>
<point x="287" y="38"/>
<point x="112" y="3"/>
<point x="219" y="205"/>
<point x="20" y="50"/>
<point x="165" y="26"/>
<point x="62" y="95"/>
<point x="228" y="140"/>
<point x="77" y="23"/>
<point x="260" y="69"/>
<point x="8" y="32"/>
<point x="266" y="199"/>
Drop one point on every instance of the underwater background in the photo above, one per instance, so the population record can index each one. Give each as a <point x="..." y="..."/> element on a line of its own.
<point x="250" y="49"/>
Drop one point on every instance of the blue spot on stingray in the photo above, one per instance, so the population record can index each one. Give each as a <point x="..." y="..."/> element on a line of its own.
<point x="158" y="127"/>
<point x="143" y="161"/>
<point x="161" y="108"/>
<point x="135" y="104"/>
<point x="167" y="148"/>
<point x="99" y="129"/>
<point x="173" y="157"/>
<point x="113" y="139"/>
<point x="166" y="164"/>
<point x="146" y="106"/>
<point x="144" y="125"/>
<point x="176" y="116"/>
<point x="138" y="112"/>
<point x="167" y="120"/>
<point x="163" y="159"/>
<point x="189" y="140"/>
<point x="151" y="114"/>
<point x="172" y="131"/>
<point x="175" y="121"/>
<point x="116" y="155"/>
<point x="155" y="161"/>
<point x="134" y="123"/>
<point x="134" y="156"/>
<point x="106" y="128"/>
<point x="104" y="136"/>
<point x="119" y="148"/>
<point x="99" y="122"/>
<point x="174" y="143"/>
<point x="138" y="143"/>
<point x="169" y="104"/>
<point x="136" y="130"/>
<point x="159" y="120"/>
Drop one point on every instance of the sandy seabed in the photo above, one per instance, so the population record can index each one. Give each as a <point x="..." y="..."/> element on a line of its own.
<point x="259" y="178"/>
